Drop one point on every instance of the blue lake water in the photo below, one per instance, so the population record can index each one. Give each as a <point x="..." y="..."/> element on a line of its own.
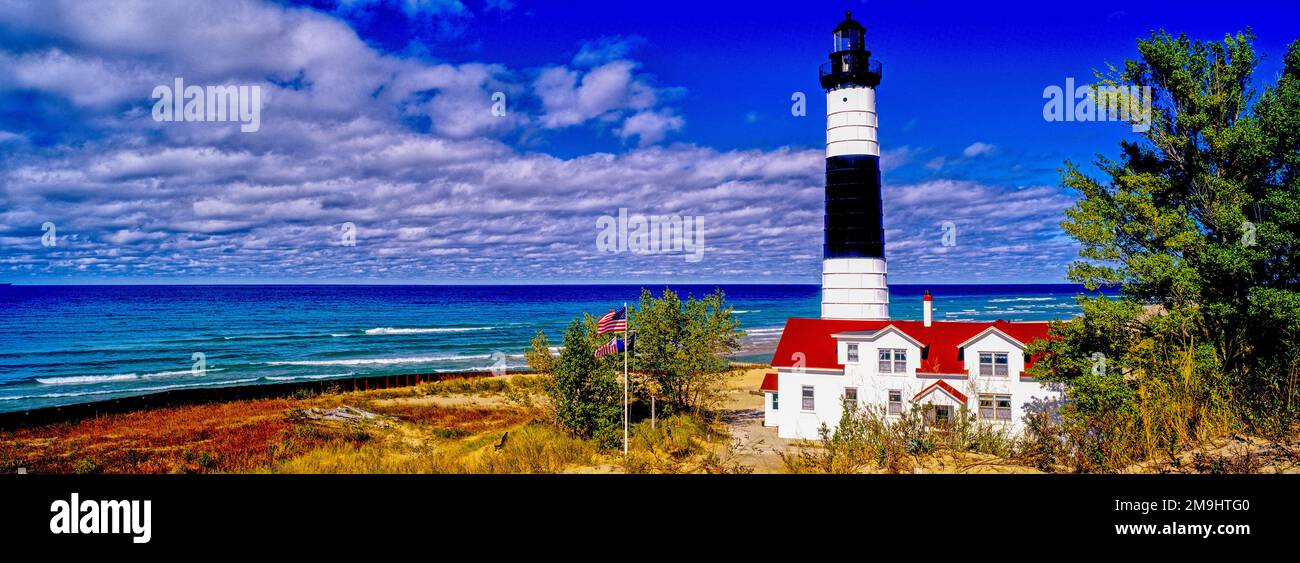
<point x="69" y="344"/>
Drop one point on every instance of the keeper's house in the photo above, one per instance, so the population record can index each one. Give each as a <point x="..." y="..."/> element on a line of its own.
<point x="945" y="368"/>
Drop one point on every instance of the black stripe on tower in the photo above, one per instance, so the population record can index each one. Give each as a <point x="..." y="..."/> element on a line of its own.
<point x="854" y="228"/>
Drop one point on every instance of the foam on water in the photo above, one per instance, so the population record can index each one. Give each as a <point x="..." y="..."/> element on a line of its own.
<point x="388" y="330"/>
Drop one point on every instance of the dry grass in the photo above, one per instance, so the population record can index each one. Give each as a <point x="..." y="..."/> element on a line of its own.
<point x="447" y="427"/>
<point x="530" y="448"/>
<point x="235" y="436"/>
<point x="423" y="429"/>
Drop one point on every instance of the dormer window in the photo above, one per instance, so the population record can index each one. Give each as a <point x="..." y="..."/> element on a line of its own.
<point x="852" y="353"/>
<point x="893" y="360"/>
<point x="993" y="364"/>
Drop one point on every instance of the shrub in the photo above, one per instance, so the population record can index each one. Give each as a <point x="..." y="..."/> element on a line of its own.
<point x="868" y="438"/>
<point x="585" y="394"/>
<point x="539" y="356"/>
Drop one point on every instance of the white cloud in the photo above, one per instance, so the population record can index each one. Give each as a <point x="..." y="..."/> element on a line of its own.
<point x="978" y="149"/>
<point x="650" y="127"/>
<point x="450" y="201"/>
<point x="570" y="97"/>
<point x="606" y="50"/>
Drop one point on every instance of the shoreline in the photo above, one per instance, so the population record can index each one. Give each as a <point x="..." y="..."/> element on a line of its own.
<point x="13" y="420"/>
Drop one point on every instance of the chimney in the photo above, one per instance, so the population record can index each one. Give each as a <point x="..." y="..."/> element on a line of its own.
<point x="928" y="308"/>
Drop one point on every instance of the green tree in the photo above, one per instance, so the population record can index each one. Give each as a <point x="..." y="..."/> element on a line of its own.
<point x="538" y="356"/>
<point x="682" y="348"/>
<point x="585" y="392"/>
<point x="1198" y="223"/>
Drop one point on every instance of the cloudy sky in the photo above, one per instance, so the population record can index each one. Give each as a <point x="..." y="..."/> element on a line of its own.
<point x="379" y="113"/>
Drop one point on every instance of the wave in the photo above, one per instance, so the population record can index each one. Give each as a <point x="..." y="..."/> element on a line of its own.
<point x="390" y="330"/>
<point x="753" y="331"/>
<point x="482" y="368"/>
<point x="379" y="361"/>
<point x="293" y="377"/>
<point x="92" y="379"/>
<point x="1013" y="299"/>
<point x="270" y="336"/>
<point x="86" y="379"/>
<point x="178" y="372"/>
<point x="131" y="390"/>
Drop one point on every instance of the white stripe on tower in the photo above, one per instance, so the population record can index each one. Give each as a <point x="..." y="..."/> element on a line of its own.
<point x="851" y="122"/>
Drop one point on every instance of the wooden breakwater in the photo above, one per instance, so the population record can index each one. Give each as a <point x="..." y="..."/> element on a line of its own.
<point x="199" y="395"/>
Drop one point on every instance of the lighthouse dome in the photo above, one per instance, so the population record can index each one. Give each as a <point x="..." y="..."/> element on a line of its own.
<point x="851" y="63"/>
<point x="850" y="35"/>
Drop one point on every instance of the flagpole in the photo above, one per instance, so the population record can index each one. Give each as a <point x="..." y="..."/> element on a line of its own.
<point x="626" y="346"/>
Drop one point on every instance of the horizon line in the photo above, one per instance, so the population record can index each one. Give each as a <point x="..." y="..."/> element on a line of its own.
<point x="473" y="284"/>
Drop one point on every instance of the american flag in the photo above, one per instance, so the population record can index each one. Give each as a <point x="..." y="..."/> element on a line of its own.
<point x="613" y="321"/>
<point x="609" y="348"/>
<point x="614" y="345"/>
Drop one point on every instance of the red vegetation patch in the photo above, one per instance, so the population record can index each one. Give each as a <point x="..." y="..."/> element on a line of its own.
<point x="234" y="436"/>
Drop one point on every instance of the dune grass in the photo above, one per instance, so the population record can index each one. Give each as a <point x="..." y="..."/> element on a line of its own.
<point x="529" y="448"/>
<point x="411" y="434"/>
<point x="234" y="436"/>
<point x="453" y="426"/>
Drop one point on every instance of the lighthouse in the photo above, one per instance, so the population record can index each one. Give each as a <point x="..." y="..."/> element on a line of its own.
<point x="853" y="255"/>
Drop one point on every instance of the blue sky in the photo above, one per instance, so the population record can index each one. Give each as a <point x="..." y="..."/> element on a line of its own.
<point x="377" y="113"/>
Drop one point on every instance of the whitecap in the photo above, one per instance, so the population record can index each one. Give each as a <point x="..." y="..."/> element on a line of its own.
<point x="391" y="330"/>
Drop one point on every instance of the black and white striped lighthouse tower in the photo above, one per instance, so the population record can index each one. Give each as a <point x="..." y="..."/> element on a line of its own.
<point x="853" y="257"/>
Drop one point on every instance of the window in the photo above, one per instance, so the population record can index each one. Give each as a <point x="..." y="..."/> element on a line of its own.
<point x="851" y="396"/>
<point x="995" y="407"/>
<point x="893" y="360"/>
<point x="993" y="363"/>
<point x="808" y="402"/>
<point x="853" y="352"/>
<point x="942" y="415"/>
<point x="848" y="39"/>
<point x="776" y="401"/>
<point x="895" y="401"/>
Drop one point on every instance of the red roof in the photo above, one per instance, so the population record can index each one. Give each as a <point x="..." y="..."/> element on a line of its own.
<point x="941" y="384"/>
<point x="813" y="339"/>
<point x="769" y="382"/>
